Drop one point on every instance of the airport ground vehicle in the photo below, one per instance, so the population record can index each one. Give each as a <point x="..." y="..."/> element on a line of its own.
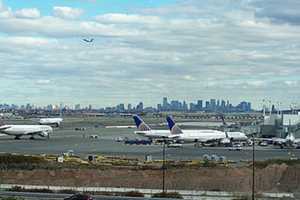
<point x="79" y="197"/>
<point x="263" y="144"/>
<point x="138" y="142"/>
<point x="235" y="147"/>
<point x="174" y="145"/>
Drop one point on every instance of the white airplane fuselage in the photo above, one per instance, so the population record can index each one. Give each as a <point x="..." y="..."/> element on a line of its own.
<point x="193" y="135"/>
<point x="201" y="135"/>
<point x="51" y="121"/>
<point x="20" y="130"/>
<point x="237" y="136"/>
<point x="153" y="134"/>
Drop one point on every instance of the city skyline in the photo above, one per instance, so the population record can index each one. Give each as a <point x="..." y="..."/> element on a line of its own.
<point x="166" y="104"/>
<point x="146" y="49"/>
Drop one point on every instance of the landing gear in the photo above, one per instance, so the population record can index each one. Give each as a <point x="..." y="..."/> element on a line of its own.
<point x="198" y="144"/>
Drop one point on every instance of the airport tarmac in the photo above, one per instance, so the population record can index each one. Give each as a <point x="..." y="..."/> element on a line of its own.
<point x="66" y="138"/>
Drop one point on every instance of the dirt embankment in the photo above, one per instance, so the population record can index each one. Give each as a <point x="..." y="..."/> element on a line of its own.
<point x="273" y="178"/>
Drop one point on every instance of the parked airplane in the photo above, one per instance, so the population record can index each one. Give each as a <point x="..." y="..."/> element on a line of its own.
<point x="202" y="136"/>
<point x="51" y="121"/>
<point x="146" y="131"/>
<point x="233" y="135"/>
<point x="288" y="141"/>
<point x="22" y="130"/>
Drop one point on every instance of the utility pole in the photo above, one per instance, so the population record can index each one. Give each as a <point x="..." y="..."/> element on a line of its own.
<point x="164" y="167"/>
<point x="253" y="167"/>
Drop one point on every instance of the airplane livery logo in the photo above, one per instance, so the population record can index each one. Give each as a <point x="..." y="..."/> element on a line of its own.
<point x="175" y="130"/>
<point x="140" y="124"/>
<point x="143" y="127"/>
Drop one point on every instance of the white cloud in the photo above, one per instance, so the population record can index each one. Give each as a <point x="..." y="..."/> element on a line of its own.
<point x="189" y="78"/>
<point x="43" y="81"/>
<point x="67" y="12"/>
<point x="231" y="53"/>
<point x="4" y="11"/>
<point x="119" y="18"/>
<point x="28" y="13"/>
<point x="291" y="83"/>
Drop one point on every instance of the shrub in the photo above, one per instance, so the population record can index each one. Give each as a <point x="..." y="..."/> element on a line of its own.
<point x="174" y="195"/>
<point x="66" y="191"/>
<point x="11" y="198"/>
<point x="208" y="163"/>
<point x="133" y="194"/>
<point x="21" y="189"/>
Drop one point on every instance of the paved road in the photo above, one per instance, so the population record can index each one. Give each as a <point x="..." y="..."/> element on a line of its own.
<point x="65" y="139"/>
<point x="53" y="196"/>
<point x="43" y="196"/>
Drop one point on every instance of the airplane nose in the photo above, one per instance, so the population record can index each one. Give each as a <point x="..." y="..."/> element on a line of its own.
<point x="50" y="131"/>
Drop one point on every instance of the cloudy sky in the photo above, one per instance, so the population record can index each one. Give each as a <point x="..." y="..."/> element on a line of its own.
<point x="147" y="49"/>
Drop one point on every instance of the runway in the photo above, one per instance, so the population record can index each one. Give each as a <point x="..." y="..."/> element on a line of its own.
<point x="64" y="139"/>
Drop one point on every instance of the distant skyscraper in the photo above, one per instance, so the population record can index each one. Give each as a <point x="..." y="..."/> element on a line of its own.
<point x="207" y="106"/>
<point x="185" y="106"/>
<point x="199" y="105"/>
<point x="129" y="107"/>
<point x="140" y="107"/>
<point x="213" y="105"/>
<point x="165" y="103"/>
<point x="223" y="104"/>
<point x="77" y="107"/>
<point x="192" y="107"/>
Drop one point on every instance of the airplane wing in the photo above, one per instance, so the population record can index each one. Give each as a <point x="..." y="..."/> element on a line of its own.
<point x="279" y="140"/>
<point x="4" y="128"/>
<point x="264" y="139"/>
<point x="173" y="136"/>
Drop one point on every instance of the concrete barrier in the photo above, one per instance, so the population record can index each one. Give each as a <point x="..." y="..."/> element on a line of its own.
<point x="187" y="194"/>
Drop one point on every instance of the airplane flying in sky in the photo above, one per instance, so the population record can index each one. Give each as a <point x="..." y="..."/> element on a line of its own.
<point x="88" y="40"/>
<point x="23" y="130"/>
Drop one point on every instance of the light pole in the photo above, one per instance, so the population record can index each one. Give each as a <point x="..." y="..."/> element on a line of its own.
<point x="253" y="167"/>
<point x="164" y="166"/>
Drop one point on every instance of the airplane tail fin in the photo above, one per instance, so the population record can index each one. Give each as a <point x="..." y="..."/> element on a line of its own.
<point x="175" y="130"/>
<point x="290" y="136"/>
<point x="140" y="124"/>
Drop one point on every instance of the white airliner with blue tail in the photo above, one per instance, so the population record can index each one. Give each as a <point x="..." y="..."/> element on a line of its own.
<point x="203" y="136"/>
<point x="145" y="131"/>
